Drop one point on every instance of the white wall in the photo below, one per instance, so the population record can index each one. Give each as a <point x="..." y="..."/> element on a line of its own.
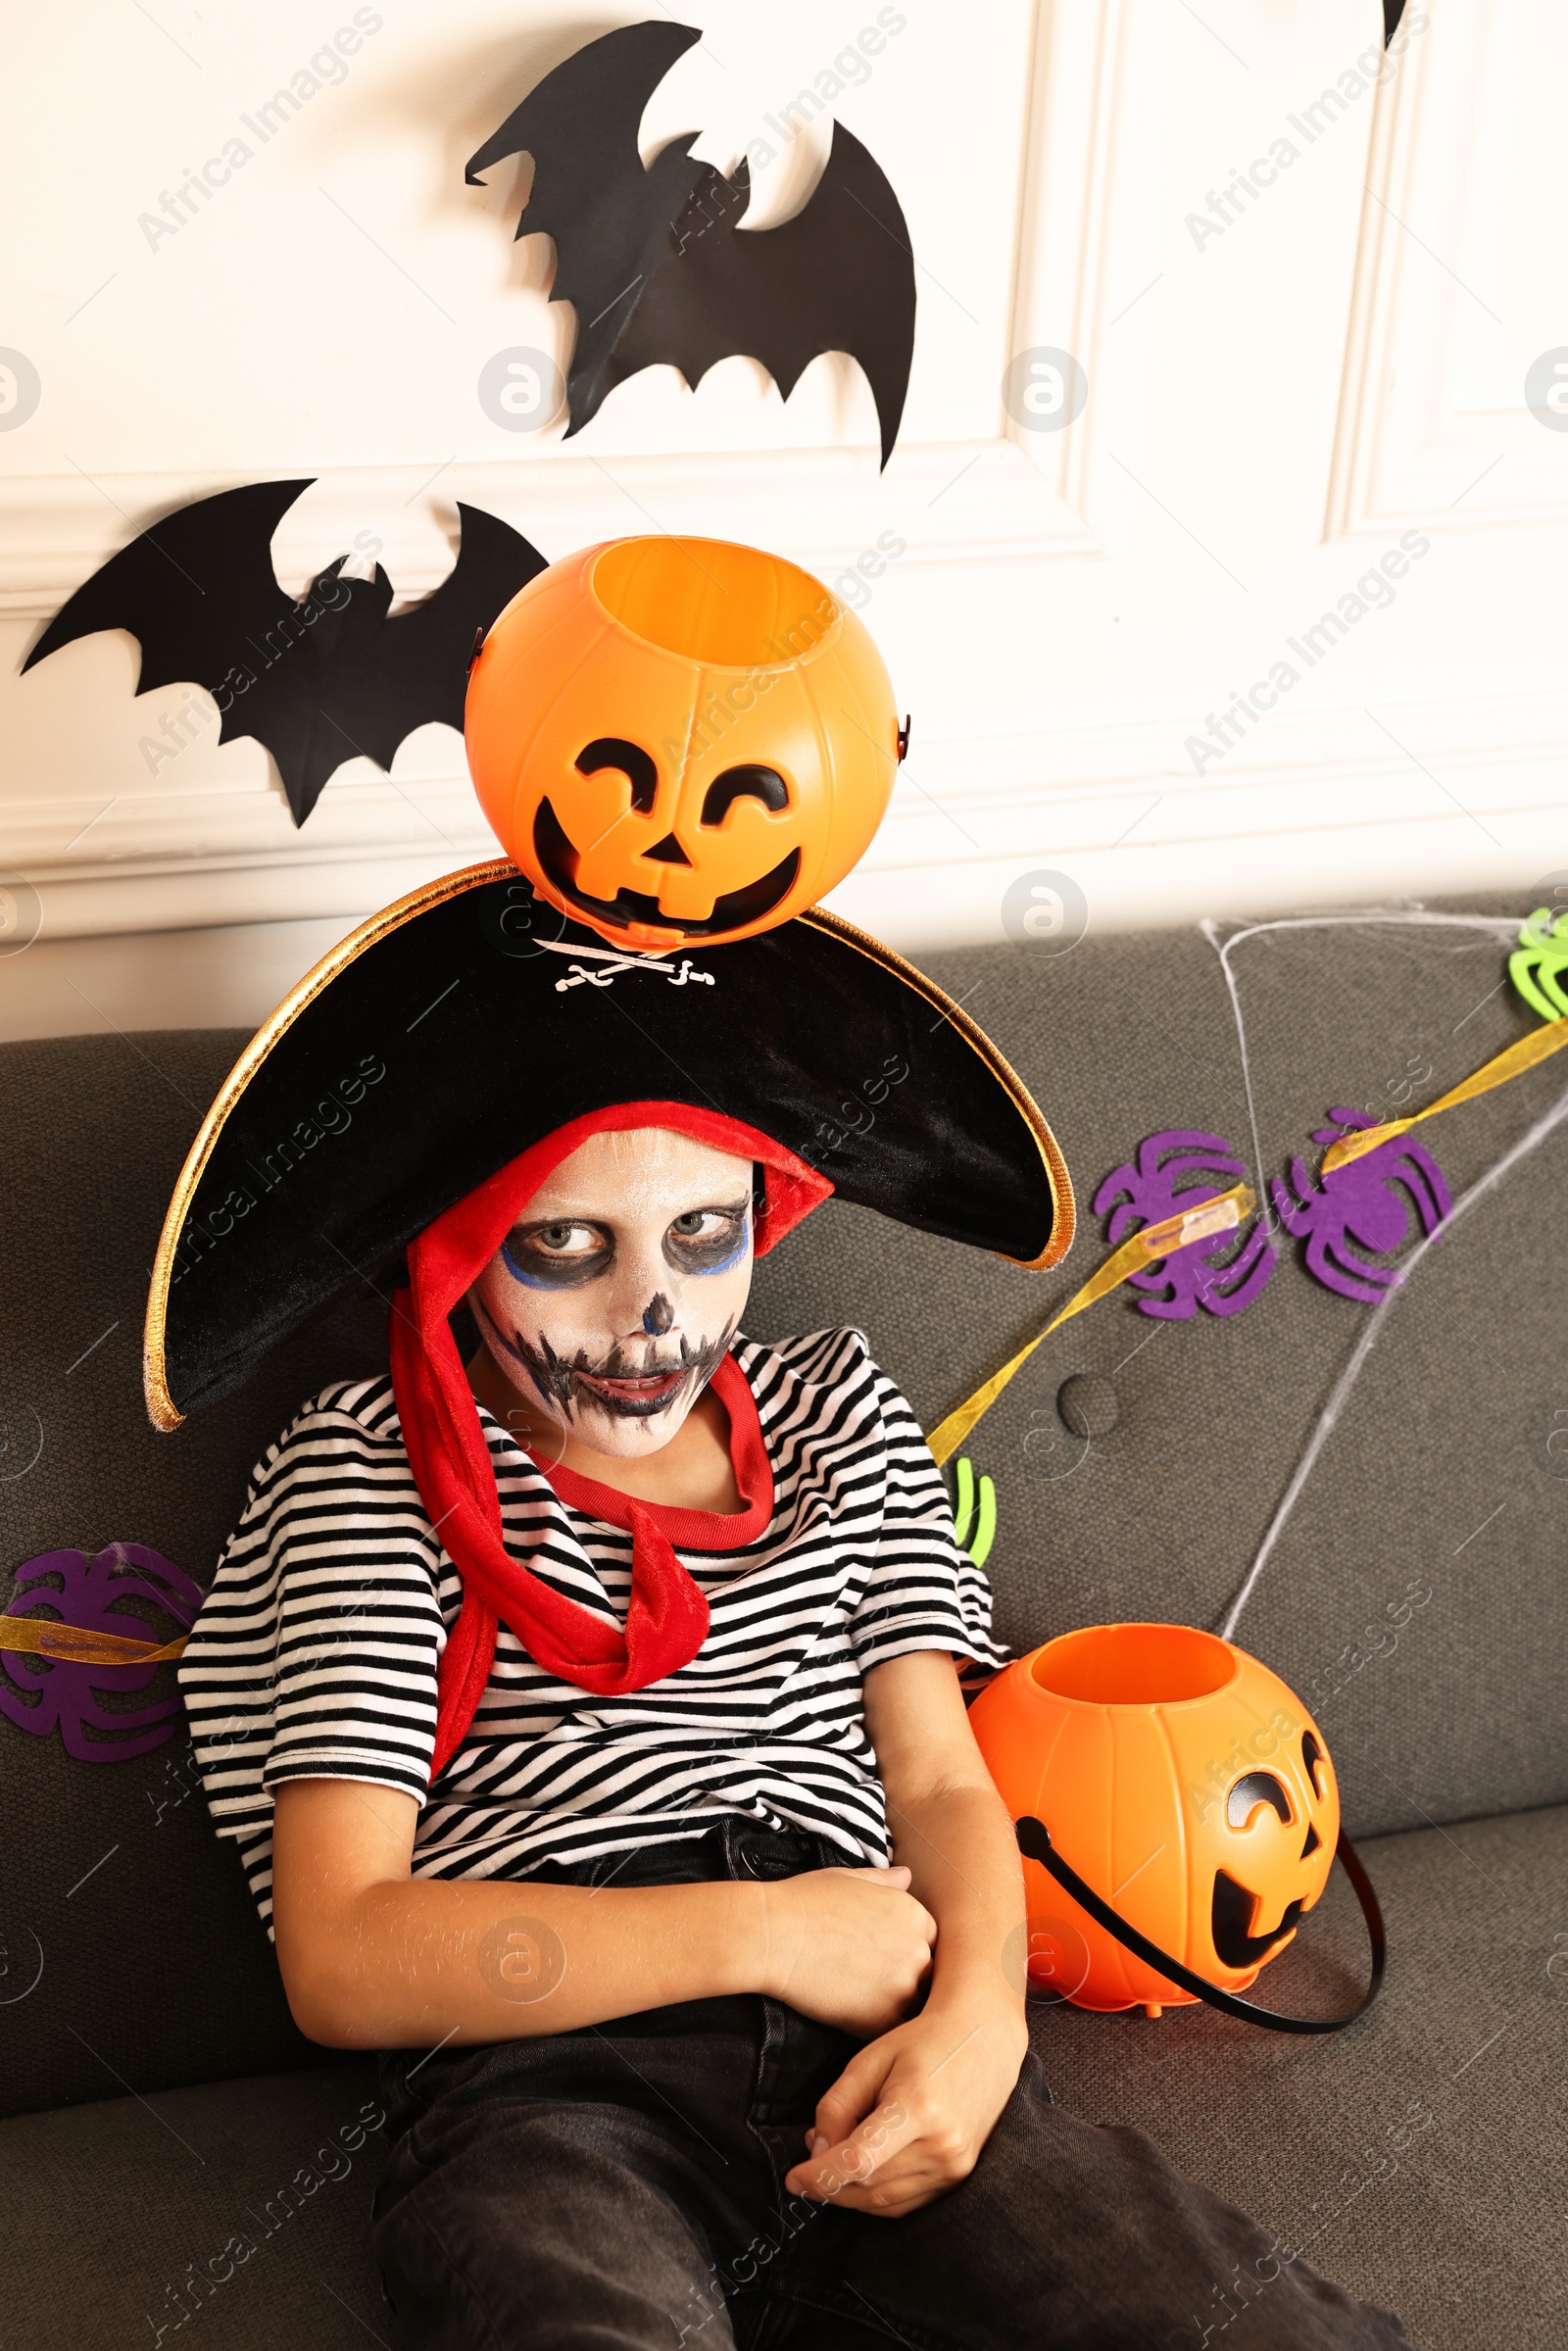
<point x="1273" y="406"/>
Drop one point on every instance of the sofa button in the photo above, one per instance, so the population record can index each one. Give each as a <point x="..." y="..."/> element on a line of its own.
<point x="1087" y="1404"/>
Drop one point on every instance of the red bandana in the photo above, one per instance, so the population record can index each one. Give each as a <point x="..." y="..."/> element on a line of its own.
<point x="666" y="1621"/>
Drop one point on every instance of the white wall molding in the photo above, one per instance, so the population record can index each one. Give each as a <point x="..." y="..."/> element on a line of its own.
<point x="1117" y="805"/>
<point x="823" y="506"/>
<point x="1419" y="440"/>
<point x="1066" y="190"/>
<point x="1319" y="807"/>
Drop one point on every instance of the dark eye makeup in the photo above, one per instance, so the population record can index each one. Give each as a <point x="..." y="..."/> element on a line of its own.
<point x="709" y="1240"/>
<point x="556" y="1256"/>
<point x="564" y="1254"/>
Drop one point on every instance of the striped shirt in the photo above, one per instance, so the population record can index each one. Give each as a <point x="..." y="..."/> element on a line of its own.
<point x="315" y="1654"/>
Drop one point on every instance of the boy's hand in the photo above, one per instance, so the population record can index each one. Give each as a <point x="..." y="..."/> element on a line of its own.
<point x="850" y="1947"/>
<point x="908" y="2117"/>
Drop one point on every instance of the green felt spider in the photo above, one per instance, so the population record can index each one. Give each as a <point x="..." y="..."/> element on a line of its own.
<point x="966" y="1516"/>
<point x="1539" y="961"/>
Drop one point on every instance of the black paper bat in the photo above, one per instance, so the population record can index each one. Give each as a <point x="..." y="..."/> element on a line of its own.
<point x="317" y="681"/>
<point x="654" y="262"/>
<point x="1393" y="11"/>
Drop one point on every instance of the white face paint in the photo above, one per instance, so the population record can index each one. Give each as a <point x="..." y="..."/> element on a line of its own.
<point x="612" y="1299"/>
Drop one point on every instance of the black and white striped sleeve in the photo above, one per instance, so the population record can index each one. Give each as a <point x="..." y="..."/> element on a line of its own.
<point x="315" y="1654"/>
<point x="923" y="1592"/>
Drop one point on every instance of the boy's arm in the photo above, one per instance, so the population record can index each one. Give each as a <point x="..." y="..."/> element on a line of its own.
<point x="373" y="1957"/>
<point x="908" y="2115"/>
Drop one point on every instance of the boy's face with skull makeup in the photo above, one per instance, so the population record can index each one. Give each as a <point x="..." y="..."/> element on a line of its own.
<point x="612" y="1299"/>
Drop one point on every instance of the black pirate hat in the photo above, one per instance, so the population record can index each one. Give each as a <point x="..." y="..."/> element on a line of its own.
<point x="455" y="1030"/>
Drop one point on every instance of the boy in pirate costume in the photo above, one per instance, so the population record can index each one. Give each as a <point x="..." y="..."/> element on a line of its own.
<point x="588" y="1714"/>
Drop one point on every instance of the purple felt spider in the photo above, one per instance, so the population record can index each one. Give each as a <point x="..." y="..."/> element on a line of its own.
<point x="38" y="1692"/>
<point x="1360" y="1203"/>
<point x="1223" y="1275"/>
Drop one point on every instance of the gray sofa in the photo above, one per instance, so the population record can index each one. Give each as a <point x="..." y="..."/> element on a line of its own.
<point x="174" y="2146"/>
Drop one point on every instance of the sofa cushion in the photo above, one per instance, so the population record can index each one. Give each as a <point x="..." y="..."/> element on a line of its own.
<point x="154" y="1965"/>
<point x="245" y="2205"/>
<point x="1415" y="2158"/>
<point x="1437" y="1475"/>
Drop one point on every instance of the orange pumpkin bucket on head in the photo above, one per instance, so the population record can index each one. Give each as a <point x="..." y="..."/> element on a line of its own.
<point x="1178" y="1812"/>
<point x="681" y="739"/>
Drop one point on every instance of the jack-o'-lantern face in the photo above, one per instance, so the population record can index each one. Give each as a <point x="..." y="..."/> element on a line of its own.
<point x="1280" y="1818"/>
<point x="680" y="739"/>
<point x="1184" y="1782"/>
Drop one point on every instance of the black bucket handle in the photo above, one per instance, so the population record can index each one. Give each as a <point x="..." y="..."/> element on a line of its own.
<point x="1034" y="1843"/>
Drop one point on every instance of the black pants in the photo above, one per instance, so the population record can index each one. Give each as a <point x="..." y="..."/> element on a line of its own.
<point x="622" y="2185"/>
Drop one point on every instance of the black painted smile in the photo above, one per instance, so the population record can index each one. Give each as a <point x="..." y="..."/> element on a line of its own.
<point x="559" y="860"/>
<point x="617" y="1387"/>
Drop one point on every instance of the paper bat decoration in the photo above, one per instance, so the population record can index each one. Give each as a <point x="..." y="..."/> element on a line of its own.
<point x="656" y="263"/>
<point x="317" y="681"/>
<point x="1393" y="11"/>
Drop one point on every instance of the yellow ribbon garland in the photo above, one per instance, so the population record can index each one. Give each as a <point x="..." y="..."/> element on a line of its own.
<point x="1157" y="1241"/>
<point x="74" y="1644"/>
<point x="1515" y="1059"/>
<point x="1150" y="1241"/>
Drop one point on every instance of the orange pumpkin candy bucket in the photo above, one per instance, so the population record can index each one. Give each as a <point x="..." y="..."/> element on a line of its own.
<point x="681" y="739"/>
<point x="1178" y="1813"/>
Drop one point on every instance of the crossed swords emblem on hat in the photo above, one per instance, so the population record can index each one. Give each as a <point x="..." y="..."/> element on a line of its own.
<point x="614" y="964"/>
